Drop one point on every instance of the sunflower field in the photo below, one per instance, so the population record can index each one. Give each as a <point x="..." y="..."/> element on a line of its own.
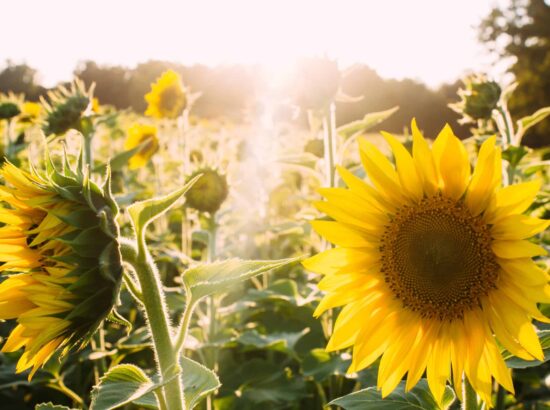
<point x="162" y="260"/>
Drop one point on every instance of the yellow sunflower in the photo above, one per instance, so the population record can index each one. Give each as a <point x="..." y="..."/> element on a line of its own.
<point x="139" y="134"/>
<point x="432" y="265"/>
<point x="60" y="261"/>
<point x="168" y="96"/>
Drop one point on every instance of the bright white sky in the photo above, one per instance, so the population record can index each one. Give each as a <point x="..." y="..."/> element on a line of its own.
<point x="430" y="40"/>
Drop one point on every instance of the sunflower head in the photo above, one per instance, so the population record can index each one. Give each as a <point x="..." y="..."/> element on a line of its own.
<point x="432" y="265"/>
<point x="168" y="96"/>
<point x="145" y="136"/>
<point x="31" y="111"/>
<point x="60" y="260"/>
<point x="479" y="98"/>
<point x="209" y="192"/>
<point x="66" y="108"/>
<point x="317" y="83"/>
<point x="8" y="110"/>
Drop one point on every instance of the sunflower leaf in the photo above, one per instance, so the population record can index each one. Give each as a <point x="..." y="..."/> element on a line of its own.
<point x="198" y="381"/>
<point x="142" y="213"/>
<point x="50" y="406"/>
<point x="121" y="385"/>
<point x="531" y="120"/>
<point x="369" y="121"/>
<point x="517" y="363"/>
<point x="217" y="277"/>
<point x="418" y="398"/>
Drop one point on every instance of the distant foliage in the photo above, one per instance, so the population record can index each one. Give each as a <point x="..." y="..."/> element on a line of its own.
<point x="522" y="31"/>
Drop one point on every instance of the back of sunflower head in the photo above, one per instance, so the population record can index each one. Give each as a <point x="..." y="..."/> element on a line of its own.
<point x="61" y="259"/>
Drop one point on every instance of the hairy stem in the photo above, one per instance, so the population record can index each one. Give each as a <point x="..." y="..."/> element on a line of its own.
<point x="157" y="319"/>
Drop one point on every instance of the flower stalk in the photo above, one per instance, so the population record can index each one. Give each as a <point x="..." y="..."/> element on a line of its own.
<point x="157" y="318"/>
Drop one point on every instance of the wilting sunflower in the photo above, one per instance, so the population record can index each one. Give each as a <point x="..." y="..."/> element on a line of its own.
<point x="432" y="265"/>
<point x="139" y="134"/>
<point x="168" y="96"/>
<point x="59" y="251"/>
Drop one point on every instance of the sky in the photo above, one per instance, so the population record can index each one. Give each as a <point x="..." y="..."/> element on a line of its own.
<point x="434" y="41"/>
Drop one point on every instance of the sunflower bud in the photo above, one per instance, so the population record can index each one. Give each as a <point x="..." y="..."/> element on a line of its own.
<point x="66" y="108"/>
<point x="145" y="136"/>
<point x="478" y="99"/>
<point x="8" y="110"/>
<point x="168" y="97"/>
<point x="317" y="83"/>
<point x="60" y="249"/>
<point x="208" y="193"/>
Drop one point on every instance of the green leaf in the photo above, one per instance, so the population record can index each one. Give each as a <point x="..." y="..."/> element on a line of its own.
<point x="514" y="154"/>
<point x="121" y="385"/>
<point x="321" y="364"/>
<point x="419" y="398"/>
<point x="517" y="363"/>
<point x="369" y="121"/>
<point x="50" y="406"/>
<point x="198" y="381"/>
<point x="120" y="160"/>
<point x="142" y="213"/>
<point x="216" y="277"/>
<point x="531" y="120"/>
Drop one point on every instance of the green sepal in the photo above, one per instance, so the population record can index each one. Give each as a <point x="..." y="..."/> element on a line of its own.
<point x="82" y="219"/>
<point x="116" y="317"/>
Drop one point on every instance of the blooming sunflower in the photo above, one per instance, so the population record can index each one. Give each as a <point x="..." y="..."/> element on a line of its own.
<point x="432" y="265"/>
<point x="139" y="134"/>
<point x="60" y="259"/>
<point x="168" y="96"/>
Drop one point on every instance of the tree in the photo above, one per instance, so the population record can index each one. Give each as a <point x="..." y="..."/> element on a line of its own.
<point x="20" y="79"/>
<point x="521" y="32"/>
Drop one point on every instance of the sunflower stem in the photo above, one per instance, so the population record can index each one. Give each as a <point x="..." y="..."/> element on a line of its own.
<point x="212" y="300"/>
<point x="157" y="318"/>
<point x="88" y="155"/>
<point x="506" y="129"/>
<point x="469" y="396"/>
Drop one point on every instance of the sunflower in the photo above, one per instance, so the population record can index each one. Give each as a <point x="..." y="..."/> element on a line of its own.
<point x="145" y="135"/>
<point x="432" y="265"/>
<point x="168" y="96"/>
<point x="60" y="259"/>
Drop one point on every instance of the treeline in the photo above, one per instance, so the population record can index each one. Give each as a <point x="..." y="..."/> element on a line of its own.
<point x="233" y="91"/>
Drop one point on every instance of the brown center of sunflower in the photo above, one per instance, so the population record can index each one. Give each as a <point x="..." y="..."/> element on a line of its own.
<point x="437" y="258"/>
<point x="170" y="98"/>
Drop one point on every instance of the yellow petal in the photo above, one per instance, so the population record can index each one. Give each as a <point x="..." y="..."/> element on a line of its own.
<point x="380" y="171"/>
<point x="516" y="249"/>
<point x="341" y="234"/>
<point x="496" y="363"/>
<point x="452" y="163"/>
<point x="518" y="324"/>
<point x="513" y="199"/>
<point x="365" y="191"/>
<point x="525" y="271"/>
<point x="484" y="181"/>
<point x="406" y="169"/>
<point x="514" y="227"/>
<point x="439" y="365"/>
<point x="333" y="260"/>
<point x="424" y="161"/>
